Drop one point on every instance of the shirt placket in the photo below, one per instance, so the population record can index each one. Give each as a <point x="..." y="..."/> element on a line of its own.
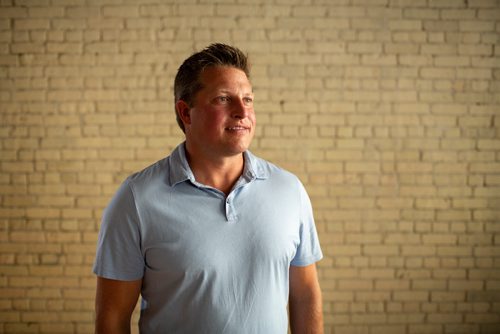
<point x="231" y="214"/>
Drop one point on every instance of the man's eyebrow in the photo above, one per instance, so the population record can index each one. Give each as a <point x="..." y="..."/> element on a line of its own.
<point x="227" y="90"/>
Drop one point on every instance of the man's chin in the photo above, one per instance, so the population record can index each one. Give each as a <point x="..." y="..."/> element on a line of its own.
<point x="237" y="149"/>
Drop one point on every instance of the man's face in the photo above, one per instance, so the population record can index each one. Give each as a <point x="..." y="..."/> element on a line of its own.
<point x="221" y="121"/>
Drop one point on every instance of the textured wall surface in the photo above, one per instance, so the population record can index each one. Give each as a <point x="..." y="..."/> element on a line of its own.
<point x="388" y="110"/>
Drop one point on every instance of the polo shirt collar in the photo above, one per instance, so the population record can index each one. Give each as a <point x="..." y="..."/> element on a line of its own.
<point x="179" y="170"/>
<point x="254" y="167"/>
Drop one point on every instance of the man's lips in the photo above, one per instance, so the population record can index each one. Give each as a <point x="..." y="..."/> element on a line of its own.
<point x="237" y="128"/>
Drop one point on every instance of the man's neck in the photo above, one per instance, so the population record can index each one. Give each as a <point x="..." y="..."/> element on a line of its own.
<point x="221" y="173"/>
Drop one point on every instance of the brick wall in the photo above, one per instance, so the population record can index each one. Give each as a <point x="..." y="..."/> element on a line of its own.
<point x="388" y="110"/>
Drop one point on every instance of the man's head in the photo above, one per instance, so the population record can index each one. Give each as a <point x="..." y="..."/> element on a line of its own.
<point x="187" y="81"/>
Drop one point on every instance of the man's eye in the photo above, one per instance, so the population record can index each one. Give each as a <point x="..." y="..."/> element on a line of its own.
<point x="223" y="99"/>
<point x="248" y="100"/>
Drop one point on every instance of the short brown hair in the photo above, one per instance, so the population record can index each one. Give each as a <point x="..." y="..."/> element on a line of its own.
<point x="187" y="83"/>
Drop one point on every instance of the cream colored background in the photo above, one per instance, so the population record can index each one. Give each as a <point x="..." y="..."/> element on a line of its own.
<point x="389" y="111"/>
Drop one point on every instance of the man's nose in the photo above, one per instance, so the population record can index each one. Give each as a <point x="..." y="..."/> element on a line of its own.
<point x="239" y="110"/>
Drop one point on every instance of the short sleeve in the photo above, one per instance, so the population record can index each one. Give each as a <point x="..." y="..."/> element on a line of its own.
<point x="119" y="253"/>
<point x="309" y="249"/>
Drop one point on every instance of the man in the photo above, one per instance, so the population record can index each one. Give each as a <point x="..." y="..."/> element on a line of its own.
<point x="215" y="239"/>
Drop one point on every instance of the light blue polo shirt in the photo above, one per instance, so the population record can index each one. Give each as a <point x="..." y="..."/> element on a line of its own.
<point x="209" y="263"/>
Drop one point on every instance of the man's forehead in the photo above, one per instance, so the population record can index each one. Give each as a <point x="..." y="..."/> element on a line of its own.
<point x="215" y="76"/>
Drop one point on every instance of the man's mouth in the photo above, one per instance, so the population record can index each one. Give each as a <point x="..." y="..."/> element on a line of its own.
<point x="237" y="128"/>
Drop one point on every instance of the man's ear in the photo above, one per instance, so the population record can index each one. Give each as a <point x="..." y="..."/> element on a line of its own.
<point x="182" y="109"/>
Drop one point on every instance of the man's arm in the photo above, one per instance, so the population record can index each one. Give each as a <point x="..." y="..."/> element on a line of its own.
<point x="305" y="304"/>
<point x="114" y="304"/>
